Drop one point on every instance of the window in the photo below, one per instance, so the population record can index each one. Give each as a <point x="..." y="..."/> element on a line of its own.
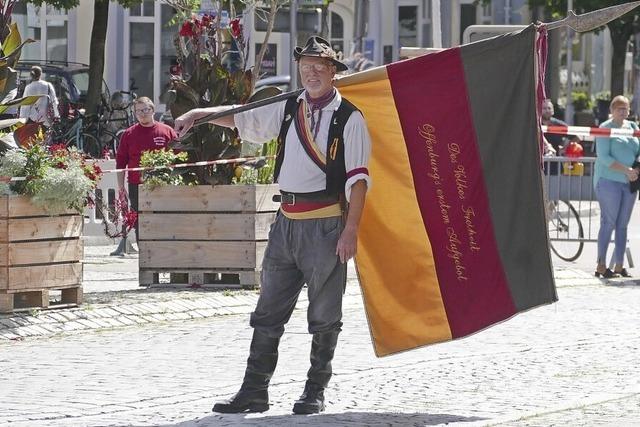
<point x="42" y="23"/>
<point x="167" y="48"/>
<point x="307" y="20"/>
<point x="408" y="25"/>
<point x="467" y="17"/>
<point x="143" y="9"/>
<point x="336" y="32"/>
<point x="141" y="58"/>
<point x="56" y="41"/>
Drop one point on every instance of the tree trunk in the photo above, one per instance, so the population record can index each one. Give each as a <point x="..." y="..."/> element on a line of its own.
<point x="619" y="40"/>
<point x="96" y="55"/>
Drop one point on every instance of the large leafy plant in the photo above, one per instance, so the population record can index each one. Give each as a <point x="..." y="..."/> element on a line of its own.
<point x="10" y="48"/>
<point x="213" y="70"/>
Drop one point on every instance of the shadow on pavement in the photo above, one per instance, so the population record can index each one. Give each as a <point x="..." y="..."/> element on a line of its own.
<point x="346" y="419"/>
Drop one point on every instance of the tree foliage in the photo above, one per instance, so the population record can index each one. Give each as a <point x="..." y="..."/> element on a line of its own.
<point x="621" y="30"/>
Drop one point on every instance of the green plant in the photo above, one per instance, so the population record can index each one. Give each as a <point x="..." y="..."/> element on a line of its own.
<point x="212" y="70"/>
<point x="260" y="172"/>
<point x="162" y="174"/>
<point x="604" y="95"/>
<point x="581" y="101"/>
<point x="56" y="177"/>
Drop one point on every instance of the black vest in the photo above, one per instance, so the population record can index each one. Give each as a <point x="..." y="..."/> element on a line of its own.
<point x="335" y="169"/>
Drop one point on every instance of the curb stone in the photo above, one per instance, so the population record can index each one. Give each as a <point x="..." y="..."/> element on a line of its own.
<point x="117" y="309"/>
<point x="123" y="311"/>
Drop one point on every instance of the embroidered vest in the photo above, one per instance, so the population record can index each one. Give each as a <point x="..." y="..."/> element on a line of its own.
<point x="335" y="169"/>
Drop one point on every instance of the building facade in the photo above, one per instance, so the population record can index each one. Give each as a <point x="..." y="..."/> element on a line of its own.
<point x="140" y="40"/>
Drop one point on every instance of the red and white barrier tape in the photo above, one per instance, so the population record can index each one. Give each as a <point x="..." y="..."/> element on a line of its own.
<point x="179" y="165"/>
<point x="589" y="131"/>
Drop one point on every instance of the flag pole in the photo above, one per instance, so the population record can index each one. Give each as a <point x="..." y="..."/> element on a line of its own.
<point x="591" y="20"/>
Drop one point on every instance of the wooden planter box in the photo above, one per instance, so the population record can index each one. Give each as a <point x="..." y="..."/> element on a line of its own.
<point x="216" y="235"/>
<point x="38" y="253"/>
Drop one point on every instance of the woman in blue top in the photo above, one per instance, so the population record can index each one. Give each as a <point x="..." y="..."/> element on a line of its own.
<point x="613" y="172"/>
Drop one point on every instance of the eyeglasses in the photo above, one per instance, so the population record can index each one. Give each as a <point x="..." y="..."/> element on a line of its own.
<point x="144" y="110"/>
<point x="319" y="67"/>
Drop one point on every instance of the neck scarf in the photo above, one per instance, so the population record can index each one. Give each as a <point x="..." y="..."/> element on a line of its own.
<point x="318" y="104"/>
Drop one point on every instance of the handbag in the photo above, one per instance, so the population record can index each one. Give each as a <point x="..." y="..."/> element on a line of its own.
<point x="635" y="185"/>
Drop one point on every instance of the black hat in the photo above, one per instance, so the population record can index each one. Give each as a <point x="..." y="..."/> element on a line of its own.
<point x="319" y="47"/>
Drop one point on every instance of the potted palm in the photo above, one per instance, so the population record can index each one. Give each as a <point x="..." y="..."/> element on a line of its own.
<point x="214" y="228"/>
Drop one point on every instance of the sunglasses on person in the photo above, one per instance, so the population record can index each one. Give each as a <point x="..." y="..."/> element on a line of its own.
<point x="145" y="110"/>
<point x="319" y="67"/>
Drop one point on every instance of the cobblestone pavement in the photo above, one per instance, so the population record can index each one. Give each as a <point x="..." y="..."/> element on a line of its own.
<point x="570" y="363"/>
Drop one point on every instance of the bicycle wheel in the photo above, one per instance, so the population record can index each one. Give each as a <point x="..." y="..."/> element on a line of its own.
<point x="88" y="144"/>
<point x="116" y="140"/>
<point x="565" y="231"/>
<point x="109" y="141"/>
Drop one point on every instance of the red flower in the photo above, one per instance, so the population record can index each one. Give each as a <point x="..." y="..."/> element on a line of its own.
<point x="236" y="28"/>
<point x="58" y="149"/>
<point x="130" y="219"/>
<point x="187" y="29"/>
<point x="61" y="165"/>
<point x="207" y="20"/>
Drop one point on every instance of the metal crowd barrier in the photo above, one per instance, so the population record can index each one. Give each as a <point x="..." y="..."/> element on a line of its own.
<point x="573" y="212"/>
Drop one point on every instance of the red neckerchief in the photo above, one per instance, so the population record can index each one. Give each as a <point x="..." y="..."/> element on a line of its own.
<point x="318" y="104"/>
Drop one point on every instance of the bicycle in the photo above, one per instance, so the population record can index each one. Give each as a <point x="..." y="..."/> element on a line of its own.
<point x="566" y="234"/>
<point x="73" y="132"/>
<point x="116" y="119"/>
<point x="93" y="134"/>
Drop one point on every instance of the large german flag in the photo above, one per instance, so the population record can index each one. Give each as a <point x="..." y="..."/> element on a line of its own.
<point x="453" y="237"/>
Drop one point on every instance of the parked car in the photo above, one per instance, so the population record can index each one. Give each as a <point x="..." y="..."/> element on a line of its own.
<point x="69" y="79"/>
<point x="283" y="82"/>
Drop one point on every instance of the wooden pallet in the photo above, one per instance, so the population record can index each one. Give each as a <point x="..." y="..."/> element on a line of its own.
<point x="39" y="252"/>
<point x="14" y="301"/>
<point x="210" y="279"/>
<point x="204" y="236"/>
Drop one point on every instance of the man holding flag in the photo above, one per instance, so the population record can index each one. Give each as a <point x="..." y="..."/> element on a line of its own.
<point x="321" y="167"/>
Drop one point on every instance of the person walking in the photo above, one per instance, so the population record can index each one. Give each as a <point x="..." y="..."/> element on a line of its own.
<point x="45" y="108"/>
<point x="323" y="152"/>
<point x="613" y="173"/>
<point x="145" y="135"/>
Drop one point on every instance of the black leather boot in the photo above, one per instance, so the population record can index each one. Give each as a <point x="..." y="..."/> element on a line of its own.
<point x="253" y="395"/>
<point x="323" y="346"/>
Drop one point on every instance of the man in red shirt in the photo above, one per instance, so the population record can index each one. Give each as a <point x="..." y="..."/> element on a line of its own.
<point x="145" y="135"/>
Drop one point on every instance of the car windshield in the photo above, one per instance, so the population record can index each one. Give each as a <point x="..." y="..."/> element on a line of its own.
<point x="81" y="81"/>
<point x="60" y="84"/>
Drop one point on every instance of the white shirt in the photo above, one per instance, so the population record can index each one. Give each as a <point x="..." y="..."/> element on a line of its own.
<point x="37" y="111"/>
<point x="299" y="174"/>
